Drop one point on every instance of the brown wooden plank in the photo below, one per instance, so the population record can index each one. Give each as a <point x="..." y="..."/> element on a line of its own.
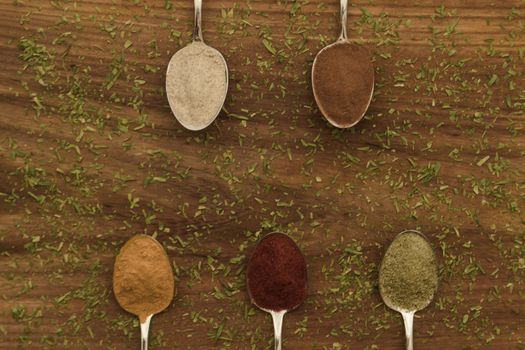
<point x="68" y="172"/>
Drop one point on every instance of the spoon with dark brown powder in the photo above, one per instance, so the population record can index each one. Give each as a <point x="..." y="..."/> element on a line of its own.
<point x="143" y="280"/>
<point x="343" y="79"/>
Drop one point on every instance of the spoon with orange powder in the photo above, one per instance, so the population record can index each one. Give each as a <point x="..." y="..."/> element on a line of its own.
<point x="143" y="281"/>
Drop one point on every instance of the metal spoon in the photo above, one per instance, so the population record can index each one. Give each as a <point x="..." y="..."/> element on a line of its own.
<point x="144" y="331"/>
<point x="364" y="78"/>
<point x="277" y="318"/>
<point x="277" y="315"/>
<point x="122" y="260"/>
<point x="180" y="75"/>
<point x="408" y="315"/>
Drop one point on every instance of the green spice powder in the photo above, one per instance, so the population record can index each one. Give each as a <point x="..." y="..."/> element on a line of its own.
<point x="408" y="276"/>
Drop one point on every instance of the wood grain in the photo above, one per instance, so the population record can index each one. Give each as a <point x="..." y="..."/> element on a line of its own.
<point x="70" y="169"/>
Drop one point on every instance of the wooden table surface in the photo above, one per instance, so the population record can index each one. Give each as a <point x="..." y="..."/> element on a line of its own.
<point x="90" y="155"/>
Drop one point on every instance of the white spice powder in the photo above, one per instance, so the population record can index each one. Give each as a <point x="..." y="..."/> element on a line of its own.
<point x="196" y="85"/>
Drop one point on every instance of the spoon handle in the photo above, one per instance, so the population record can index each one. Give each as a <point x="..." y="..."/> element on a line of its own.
<point x="344" y="16"/>
<point x="408" y="319"/>
<point x="277" y="317"/>
<point x="144" y="330"/>
<point x="197" y="25"/>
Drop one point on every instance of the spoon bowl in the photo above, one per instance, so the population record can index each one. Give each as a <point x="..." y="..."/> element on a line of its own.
<point x="253" y="269"/>
<point x="343" y="88"/>
<point x="184" y="84"/>
<point x="135" y="289"/>
<point x="408" y="311"/>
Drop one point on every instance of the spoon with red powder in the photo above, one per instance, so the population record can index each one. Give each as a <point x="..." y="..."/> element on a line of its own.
<point x="343" y="79"/>
<point x="276" y="278"/>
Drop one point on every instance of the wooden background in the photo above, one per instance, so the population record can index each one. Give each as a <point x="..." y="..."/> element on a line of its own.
<point x="90" y="155"/>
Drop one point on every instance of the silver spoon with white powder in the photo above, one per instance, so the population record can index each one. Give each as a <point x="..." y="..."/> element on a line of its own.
<point x="197" y="80"/>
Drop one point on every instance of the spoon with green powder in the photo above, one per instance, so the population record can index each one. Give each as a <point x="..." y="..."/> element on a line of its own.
<point x="197" y="80"/>
<point x="408" y="277"/>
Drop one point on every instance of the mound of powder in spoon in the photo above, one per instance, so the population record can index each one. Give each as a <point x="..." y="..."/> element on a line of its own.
<point x="143" y="280"/>
<point x="276" y="274"/>
<point x="343" y="81"/>
<point x="196" y="85"/>
<point x="408" y="277"/>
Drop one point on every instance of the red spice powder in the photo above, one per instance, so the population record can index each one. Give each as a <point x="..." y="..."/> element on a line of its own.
<point x="276" y="275"/>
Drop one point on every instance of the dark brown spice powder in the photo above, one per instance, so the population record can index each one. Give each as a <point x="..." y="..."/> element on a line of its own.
<point x="343" y="82"/>
<point x="276" y="275"/>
